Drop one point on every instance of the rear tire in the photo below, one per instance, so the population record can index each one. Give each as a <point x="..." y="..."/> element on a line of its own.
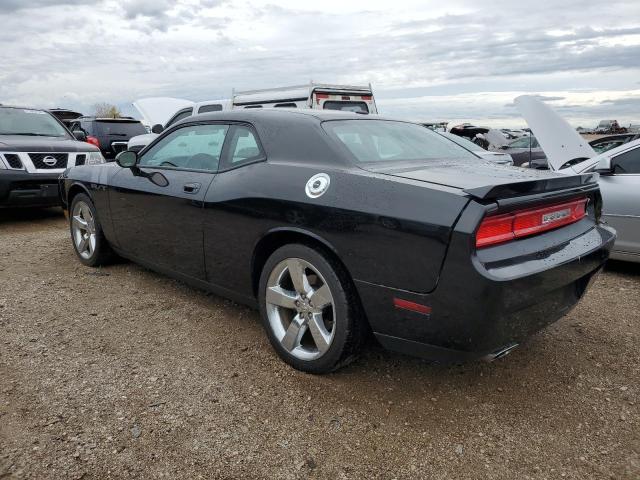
<point x="310" y="309"/>
<point x="87" y="236"/>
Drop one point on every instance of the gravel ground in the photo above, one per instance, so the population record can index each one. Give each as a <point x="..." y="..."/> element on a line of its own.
<point x="123" y="373"/>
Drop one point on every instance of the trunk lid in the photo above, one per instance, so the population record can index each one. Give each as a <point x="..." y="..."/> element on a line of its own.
<point x="484" y="180"/>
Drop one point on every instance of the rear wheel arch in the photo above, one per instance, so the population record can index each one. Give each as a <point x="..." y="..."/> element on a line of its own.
<point x="281" y="237"/>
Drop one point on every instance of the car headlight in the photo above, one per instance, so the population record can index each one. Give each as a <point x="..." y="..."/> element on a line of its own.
<point x="95" y="158"/>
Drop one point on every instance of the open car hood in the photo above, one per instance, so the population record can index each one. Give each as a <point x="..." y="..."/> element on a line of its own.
<point x="158" y="110"/>
<point x="561" y="143"/>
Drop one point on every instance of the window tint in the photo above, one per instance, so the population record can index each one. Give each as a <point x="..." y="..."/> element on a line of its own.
<point x="179" y="116"/>
<point x="381" y="140"/>
<point x="216" y="107"/>
<point x="627" y="162"/>
<point x="286" y="105"/>
<point x="119" y="128"/>
<point x="358" y="107"/>
<point x="195" y="147"/>
<point x="242" y="147"/>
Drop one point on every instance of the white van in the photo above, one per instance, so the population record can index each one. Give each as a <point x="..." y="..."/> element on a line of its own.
<point x="348" y="98"/>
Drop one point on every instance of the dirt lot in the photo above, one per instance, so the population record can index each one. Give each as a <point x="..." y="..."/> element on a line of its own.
<point x="123" y="373"/>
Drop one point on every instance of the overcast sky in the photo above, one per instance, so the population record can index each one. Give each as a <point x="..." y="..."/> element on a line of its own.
<point x="459" y="60"/>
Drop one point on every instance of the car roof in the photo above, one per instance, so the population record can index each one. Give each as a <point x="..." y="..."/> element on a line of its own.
<point x="18" y="107"/>
<point x="251" y="115"/>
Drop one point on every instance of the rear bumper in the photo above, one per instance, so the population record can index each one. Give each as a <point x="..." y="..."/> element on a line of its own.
<point x="22" y="189"/>
<point x="486" y="303"/>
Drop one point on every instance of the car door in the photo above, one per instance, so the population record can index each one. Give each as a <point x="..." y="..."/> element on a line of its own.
<point x="621" y="199"/>
<point x="157" y="206"/>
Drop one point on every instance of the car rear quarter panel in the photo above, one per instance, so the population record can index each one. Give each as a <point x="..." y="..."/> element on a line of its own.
<point x="386" y="231"/>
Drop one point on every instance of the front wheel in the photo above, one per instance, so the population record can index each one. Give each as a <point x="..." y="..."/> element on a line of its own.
<point x="89" y="241"/>
<point x="309" y="309"/>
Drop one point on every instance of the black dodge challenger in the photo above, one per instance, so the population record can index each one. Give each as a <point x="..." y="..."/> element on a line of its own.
<point x="334" y="224"/>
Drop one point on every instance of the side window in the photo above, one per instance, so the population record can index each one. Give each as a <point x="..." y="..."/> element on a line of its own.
<point x="194" y="147"/>
<point x="627" y="162"/>
<point x="243" y="147"/>
<point x="179" y="116"/>
<point x="216" y="107"/>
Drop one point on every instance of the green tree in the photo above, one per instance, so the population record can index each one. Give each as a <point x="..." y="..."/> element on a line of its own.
<point x="106" y="110"/>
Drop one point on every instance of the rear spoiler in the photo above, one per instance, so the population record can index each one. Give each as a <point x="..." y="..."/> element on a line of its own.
<point x="585" y="182"/>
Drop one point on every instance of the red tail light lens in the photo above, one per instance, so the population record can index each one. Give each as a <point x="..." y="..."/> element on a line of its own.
<point x="366" y="98"/>
<point x="523" y="223"/>
<point x="93" y="141"/>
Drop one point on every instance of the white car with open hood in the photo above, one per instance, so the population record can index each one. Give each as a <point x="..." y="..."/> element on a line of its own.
<point x="619" y="169"/>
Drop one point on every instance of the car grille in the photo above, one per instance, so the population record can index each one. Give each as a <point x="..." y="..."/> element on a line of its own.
<point x="13" y="160"/>
<point x="81" y="159"/>
<point x="118" y="147"/>
<point x="39" y="162"/>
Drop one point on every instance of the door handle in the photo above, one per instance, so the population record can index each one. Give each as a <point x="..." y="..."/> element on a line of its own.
<point x="191" y="187"/>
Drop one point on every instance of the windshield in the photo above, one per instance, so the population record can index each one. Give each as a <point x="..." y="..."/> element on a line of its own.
<point x="22" y="121"/>
<point x="385" y="140"/>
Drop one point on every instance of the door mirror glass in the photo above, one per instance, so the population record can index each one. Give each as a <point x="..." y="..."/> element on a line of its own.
<point x="80" y="135"/>
<point x="157" y="129"/>
<point x="127" y="159"/>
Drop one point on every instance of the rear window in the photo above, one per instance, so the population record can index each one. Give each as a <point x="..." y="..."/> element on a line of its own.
<point x="216" y="107"/>
<point x="357" y="107"/>
<point x="389" y="141"/>
<point x="119" y="128"/>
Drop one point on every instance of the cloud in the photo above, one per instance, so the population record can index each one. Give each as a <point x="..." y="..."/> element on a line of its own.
<point x="465" y="57"/>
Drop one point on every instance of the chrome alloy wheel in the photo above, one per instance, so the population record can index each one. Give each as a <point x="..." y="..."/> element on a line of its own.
<point x="84" y="229"/>
<point x="300" y="309"/>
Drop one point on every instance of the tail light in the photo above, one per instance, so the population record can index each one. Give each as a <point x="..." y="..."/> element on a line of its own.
<point x="523" y="223"/>
<point x="366" y="98"/>
<point x="93" y="140"/>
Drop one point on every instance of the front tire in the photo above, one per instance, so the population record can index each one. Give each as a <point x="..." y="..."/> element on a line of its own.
<point x="309" y="309"/>
<point x="87" y="237"/>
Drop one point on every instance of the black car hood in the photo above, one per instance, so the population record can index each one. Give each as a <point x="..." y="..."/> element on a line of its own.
<point x="24" y="143"/>
<point x="481" y="178"/>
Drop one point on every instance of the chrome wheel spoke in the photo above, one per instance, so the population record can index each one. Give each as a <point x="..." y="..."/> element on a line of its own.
<point x="82" y="246"/>
<point x="281" y="297"/>
<point x="79" y="222"/>
<point x="298" y="276"/>
<point x="320" y="298"/>
<point x="321" y="337"/>
<point x="294" y="333"/>
<point x="301" y="320"/>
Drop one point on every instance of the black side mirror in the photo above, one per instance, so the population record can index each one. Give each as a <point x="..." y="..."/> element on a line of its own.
<point x="157" y="129"/>
<point x="127" y="159"/>
<point x="80" y="135"/>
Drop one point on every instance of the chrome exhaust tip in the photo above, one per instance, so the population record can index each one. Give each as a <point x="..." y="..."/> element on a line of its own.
<point x="502" y="352"/>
